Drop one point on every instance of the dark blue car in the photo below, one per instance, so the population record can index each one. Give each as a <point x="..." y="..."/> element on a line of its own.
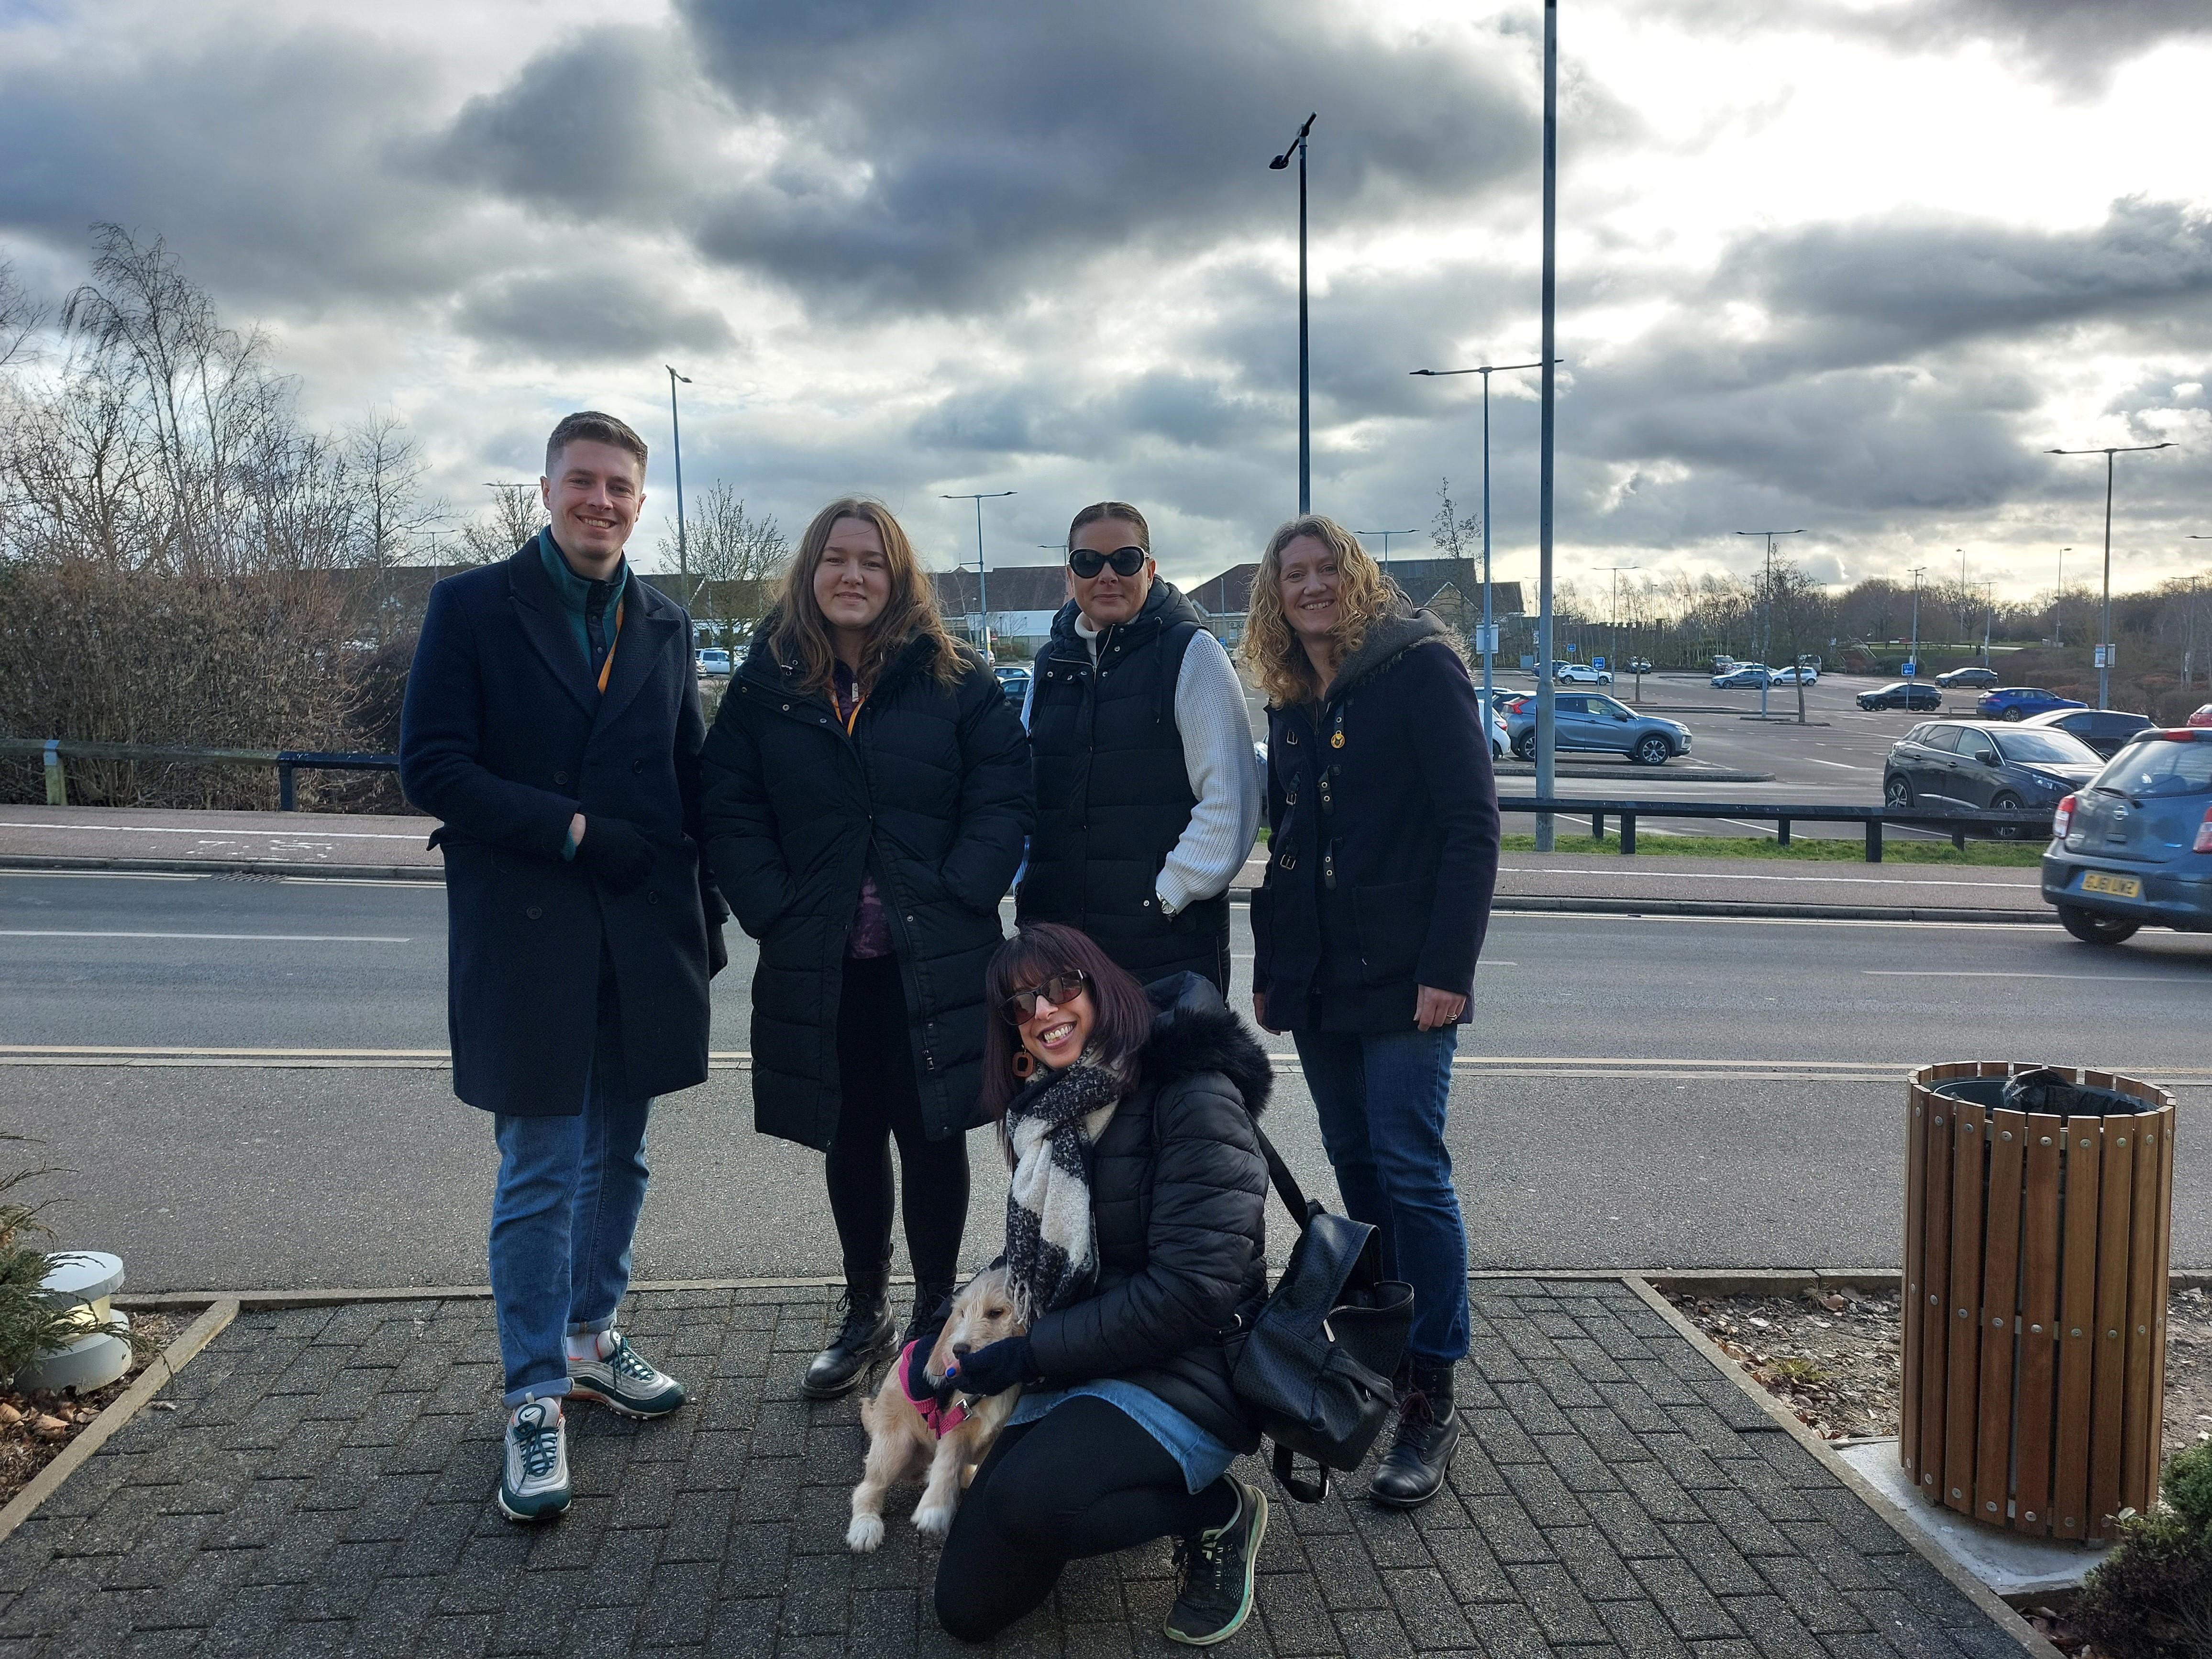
<point x="2134" y="848"/>
<point x="2017" y="702"/>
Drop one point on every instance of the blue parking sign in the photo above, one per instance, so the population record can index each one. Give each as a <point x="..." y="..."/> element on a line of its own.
<point x="1909" y="670"/>
<point x="1597" y="662"/>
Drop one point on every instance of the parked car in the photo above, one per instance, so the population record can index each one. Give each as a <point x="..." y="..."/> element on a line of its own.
<point x="1902" y="694"/>
<point x="1015" y="683"/>
<point x="2104" y="729"/>
<point x="1587" y="722"/>
<point x="1579" y="673"/>
<point x="1967" y="679"/>
<point x="2202" y="716"/>
<point x="1806" y="672"/>
<point x="1640" y="665"/>
<point x="2134" y="849"/>
<point x="2017" y="702"/>
<point x="713" y="660"/>
<point x="1751" y="675"/>
<point x="1950" y="764"/>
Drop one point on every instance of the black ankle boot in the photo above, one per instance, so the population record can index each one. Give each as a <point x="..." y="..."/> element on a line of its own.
<point x="865" y="1334"/>
<point x="931" y="1303"/>
<point x="1413" y="1471"/>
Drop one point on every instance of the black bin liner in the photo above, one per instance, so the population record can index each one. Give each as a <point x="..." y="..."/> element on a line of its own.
<point x="2044" y="1089"/>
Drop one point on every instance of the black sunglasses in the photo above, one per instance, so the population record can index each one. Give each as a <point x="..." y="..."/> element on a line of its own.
<point x="1059" y="990"/>
<point x="1126" y="560"/>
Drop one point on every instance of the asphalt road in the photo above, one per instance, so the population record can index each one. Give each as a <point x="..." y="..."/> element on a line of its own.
<point x="1639" y="1092"/>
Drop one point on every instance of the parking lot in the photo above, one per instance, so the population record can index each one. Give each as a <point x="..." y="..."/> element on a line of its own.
<point x="1835" y="759"/>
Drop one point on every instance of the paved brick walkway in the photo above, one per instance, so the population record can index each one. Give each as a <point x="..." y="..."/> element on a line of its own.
<point x="324" y="1487"/>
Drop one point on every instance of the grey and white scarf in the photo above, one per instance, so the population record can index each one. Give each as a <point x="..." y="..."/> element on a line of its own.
<point x="1051" y="1251"/>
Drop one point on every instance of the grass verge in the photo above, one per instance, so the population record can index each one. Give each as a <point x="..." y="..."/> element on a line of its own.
<point x="2014" y="855"/>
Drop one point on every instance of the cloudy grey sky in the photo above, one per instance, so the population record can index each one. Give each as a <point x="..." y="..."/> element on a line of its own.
<point x="1846" y="264"/>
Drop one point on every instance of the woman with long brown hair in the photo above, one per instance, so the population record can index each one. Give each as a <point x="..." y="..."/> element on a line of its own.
<point x="866" y="797"/>
<point x="1382" y="850"/>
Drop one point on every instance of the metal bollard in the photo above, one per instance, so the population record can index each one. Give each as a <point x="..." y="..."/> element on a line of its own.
<point x="1627" y="834"/>
<point x="1782" y="832"/>
<point x="57" y="780"/>
<point x="1873" y="840"/>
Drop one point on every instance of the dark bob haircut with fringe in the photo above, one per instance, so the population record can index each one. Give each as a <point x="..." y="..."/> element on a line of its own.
<point x="1123" y="1013"/>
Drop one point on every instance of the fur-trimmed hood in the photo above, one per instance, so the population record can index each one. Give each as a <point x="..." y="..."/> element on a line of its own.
<point x="1194" y="1032"/>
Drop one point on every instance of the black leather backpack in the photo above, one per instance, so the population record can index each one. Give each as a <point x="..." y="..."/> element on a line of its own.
<point x="1324" y="1348"/>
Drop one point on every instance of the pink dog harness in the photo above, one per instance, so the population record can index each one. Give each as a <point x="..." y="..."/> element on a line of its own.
<point x="941" y="1419"/>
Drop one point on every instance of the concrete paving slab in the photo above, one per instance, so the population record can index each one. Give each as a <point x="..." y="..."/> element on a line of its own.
<point x="324" y="1484"/>
<point x="2011" y="1564"/>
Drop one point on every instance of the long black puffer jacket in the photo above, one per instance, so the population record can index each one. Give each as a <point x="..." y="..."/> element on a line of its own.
<point x="929" y="792"/>
<point x="1179" y="1194"/>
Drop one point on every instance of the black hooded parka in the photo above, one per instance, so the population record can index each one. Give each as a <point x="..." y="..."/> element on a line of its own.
<point x="1179" y="1195"/>
<point x="929" y="792"/>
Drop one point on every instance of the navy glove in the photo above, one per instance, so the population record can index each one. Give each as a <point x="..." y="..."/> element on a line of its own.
<point x="1003" y="1366"/>
<point x="616" y="853"/>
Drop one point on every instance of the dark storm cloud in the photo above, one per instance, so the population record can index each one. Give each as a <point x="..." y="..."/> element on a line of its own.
<point x="256" y="154"/>
<point x="573" y="316"/>
<point x="945" y="153"/>
<point x="1884" y="290"/>
<point x="605" y="124"/>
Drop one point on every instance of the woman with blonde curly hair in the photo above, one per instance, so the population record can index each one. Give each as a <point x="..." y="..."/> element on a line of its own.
<point x="867" y="795"/>
<point x="1382" y="850"/>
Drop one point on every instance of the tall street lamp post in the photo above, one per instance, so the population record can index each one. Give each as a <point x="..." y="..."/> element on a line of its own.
<point x="1989" y="616"/>
<point x="1615" y="647"/>
<point x="983" y="583"/>
<point x="2057" y="600"/>
<point x="1487" y="642"/>
<point x="2105" y="618"/>
<point x="1305" y="409"/>
<point x="1766" y="648"/>
<point x="1386" y="535"/>
<point x="1547" y="699"/>
<point x="1916" y="572"/>
<point x="675" y="432"/>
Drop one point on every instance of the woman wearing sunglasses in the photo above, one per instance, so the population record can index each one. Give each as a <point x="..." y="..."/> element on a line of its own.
<point x="1148" y="801"/>
<point x="1135" y="1238"/>
<point x="1382" y="850"/>
<point x="866" y="792"/>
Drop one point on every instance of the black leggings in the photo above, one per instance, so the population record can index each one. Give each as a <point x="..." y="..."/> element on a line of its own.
<point x="878" y="1099"/>
<point x="1084" y="1479"/>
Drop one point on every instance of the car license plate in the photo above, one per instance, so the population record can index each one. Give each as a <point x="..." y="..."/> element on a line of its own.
<point x="2118" y="886"/>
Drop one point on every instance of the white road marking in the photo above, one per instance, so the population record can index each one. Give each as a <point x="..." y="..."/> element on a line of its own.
<point x="2028" y="878"/>
<point x="214" y="834"/>
<point x="1980" y="973"/>
<point x="286" y="939"/>
<point x="1843" y="765"/>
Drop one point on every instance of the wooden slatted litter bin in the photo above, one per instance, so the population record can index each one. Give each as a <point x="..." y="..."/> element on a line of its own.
<point x="2036" y="1250"/>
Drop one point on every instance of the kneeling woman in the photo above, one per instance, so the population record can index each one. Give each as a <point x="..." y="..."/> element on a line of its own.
<point x="1134" y="1231"/>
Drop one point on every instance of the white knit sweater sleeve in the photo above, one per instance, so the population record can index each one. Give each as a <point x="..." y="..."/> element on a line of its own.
<point x="1224" y="775"/>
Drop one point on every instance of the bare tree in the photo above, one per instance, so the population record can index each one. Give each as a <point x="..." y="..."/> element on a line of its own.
<point x="21" y="317"/>
<point x="516" y="513"/>
<point x="1795" y="604"/>
<point x="734" y="554"/>
<point x="387" y="467"/>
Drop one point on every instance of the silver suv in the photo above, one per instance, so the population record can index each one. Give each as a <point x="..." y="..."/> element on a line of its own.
<point x="2135" y="847"/>
<point x="1591" y="720"/>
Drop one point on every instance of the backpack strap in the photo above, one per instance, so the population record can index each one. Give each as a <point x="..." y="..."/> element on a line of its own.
<point x="1305" y="1491"/>
<point x="1286" y="1184"/>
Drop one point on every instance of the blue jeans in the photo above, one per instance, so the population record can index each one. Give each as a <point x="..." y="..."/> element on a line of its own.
<point x="1380" y="1096"/>
<point x="561" y="1220"/>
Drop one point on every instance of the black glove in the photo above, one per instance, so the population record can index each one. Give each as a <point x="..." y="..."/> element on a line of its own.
<point x="616" y="854"/>
<point x="717" y="953"/>
<point x="994" y="1369"/>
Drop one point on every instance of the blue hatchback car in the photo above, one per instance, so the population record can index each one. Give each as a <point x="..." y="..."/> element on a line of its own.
<point x="2017" y="702"/>
<point x="2134" y="848"/>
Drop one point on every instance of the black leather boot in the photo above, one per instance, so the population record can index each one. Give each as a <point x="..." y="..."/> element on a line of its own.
<point x="1413" y="1471"/>
<point x="865" y="1334"/>
<point x="931" y="1304"/>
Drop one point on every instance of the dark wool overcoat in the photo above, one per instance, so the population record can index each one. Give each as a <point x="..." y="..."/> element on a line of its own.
<point x="929" y="792"/>
<point x="1179" y="1195"/>
<point x="1382" y="838"/>
<point x="504" y="738"/>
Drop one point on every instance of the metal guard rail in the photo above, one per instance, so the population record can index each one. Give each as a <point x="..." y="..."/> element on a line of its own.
<point x="2032" y="823"/>
<point x="287" y="762"/>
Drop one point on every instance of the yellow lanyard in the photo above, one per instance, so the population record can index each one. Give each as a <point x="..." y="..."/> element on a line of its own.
<point x="608" y="666"/>
<point x="858" y="697"/>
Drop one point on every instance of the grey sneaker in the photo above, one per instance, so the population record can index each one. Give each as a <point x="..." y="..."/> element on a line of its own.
<point x="1217" y="1568"/>
<point x="623" y="1381"/>
<point x="534" y="1483"/>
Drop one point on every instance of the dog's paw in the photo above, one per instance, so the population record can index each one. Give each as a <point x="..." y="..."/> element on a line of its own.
<point x="933" y="1520"/>
<point x="865" y="1534"/>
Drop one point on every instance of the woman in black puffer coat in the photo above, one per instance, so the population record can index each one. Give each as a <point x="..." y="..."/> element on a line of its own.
<point x="1136" y="1236"/>
<point x="866" y="796"/>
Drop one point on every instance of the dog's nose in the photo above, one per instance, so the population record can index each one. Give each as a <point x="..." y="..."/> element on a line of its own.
<point x="962" y="1350"/>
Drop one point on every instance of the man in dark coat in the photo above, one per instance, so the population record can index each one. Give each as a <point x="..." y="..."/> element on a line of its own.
<point x="552" y="723"/>
<point x="1148" y="797"/>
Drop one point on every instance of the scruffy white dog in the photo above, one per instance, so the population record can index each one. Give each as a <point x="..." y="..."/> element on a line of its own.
<point x="906" y="1434"/>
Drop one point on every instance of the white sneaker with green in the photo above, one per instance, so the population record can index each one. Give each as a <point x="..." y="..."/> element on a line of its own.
<point x="605" y="1368"/>
<point x="534" y="1481"/>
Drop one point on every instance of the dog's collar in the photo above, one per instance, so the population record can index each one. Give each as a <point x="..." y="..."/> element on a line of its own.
<point x="941" y="1419"/>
